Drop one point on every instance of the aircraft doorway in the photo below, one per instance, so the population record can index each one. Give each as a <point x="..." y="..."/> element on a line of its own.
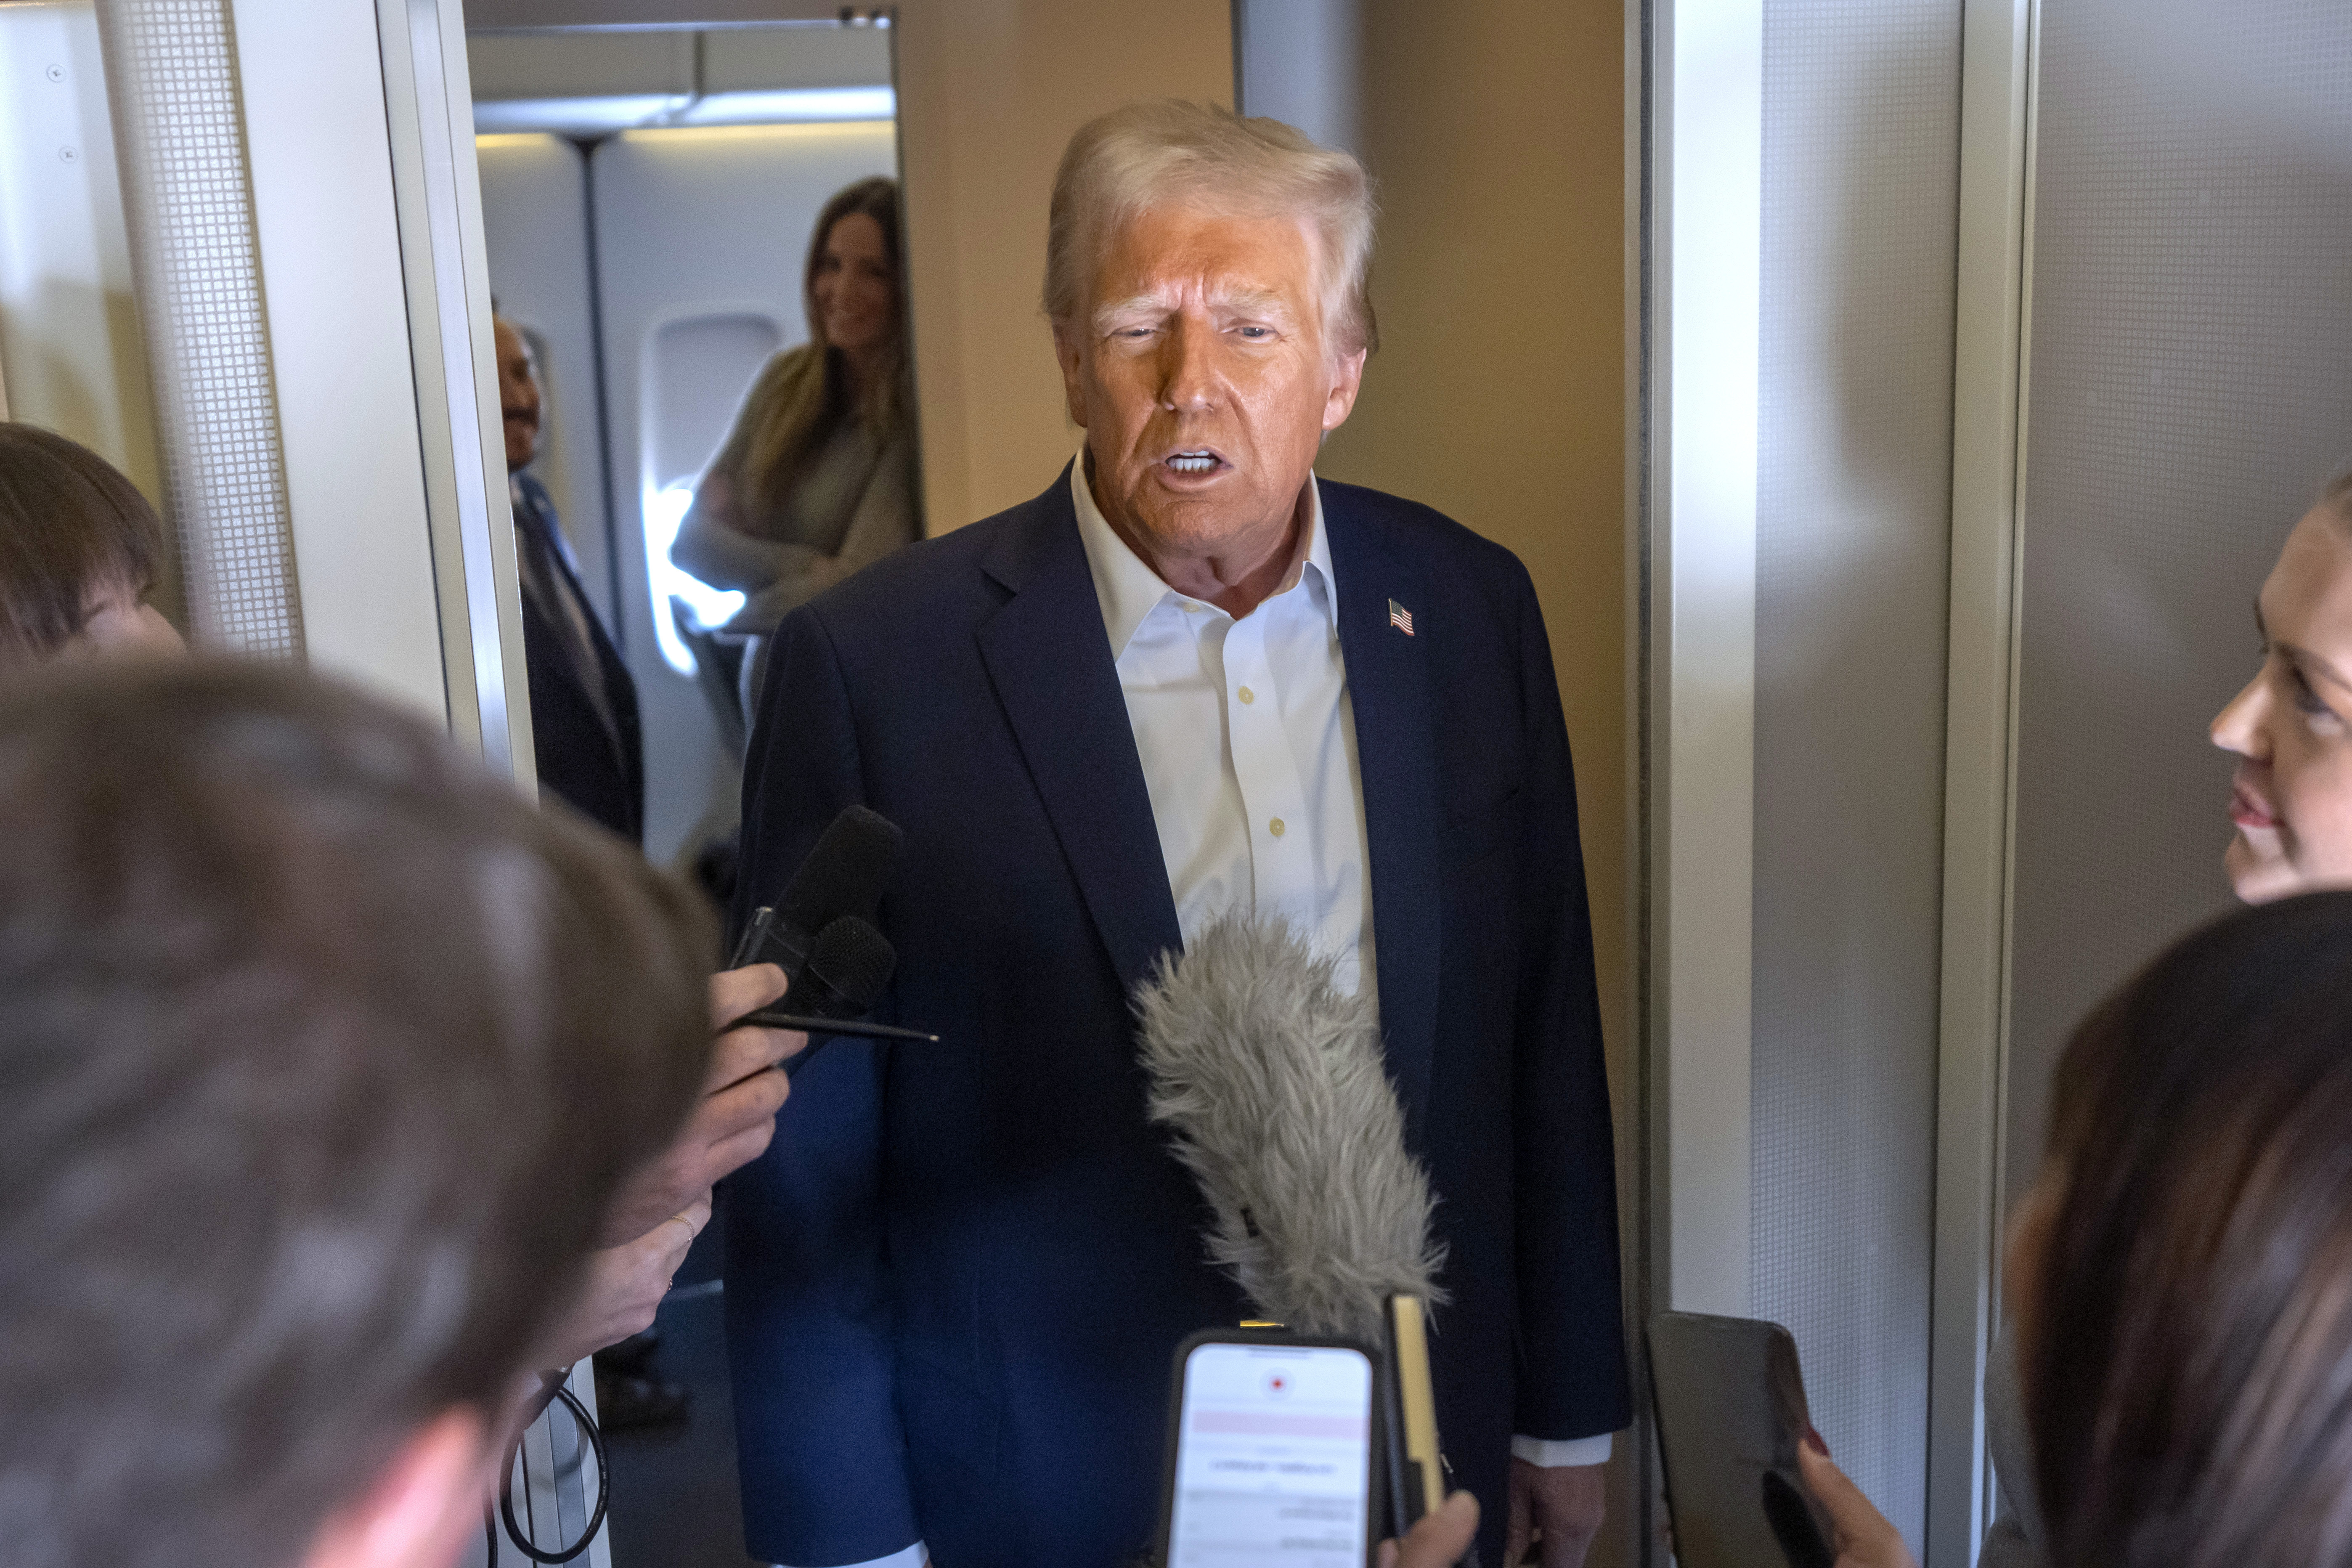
<point x="648" y="198"/>
<point x="658" y="205"/>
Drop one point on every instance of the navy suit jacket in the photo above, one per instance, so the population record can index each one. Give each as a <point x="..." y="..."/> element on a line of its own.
<point x="956" y="1280"/>
<point x="598" y="771"/>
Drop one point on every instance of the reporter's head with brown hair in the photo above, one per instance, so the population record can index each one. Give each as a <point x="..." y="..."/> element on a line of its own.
<point x="82" y="551"/>
<point x="2182" y="1270"/>
<point x="2180" y="1277"/>
<point x="324" y="1056"/>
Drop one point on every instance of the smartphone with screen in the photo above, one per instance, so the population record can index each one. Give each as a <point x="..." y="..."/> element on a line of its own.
<point x="1271" y="1444"/>
<point x="1731" y="1411"/>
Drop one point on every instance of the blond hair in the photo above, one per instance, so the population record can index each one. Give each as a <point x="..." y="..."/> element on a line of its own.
<point x="1170" y="152"/>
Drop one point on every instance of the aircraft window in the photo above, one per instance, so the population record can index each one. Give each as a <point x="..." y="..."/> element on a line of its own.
<point x="664" y="510"/>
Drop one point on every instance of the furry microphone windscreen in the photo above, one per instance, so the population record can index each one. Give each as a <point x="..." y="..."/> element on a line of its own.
<point x="1274" y="1087"/>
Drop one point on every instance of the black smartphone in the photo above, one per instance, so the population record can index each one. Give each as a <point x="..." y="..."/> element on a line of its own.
<point x="1271" y="1444"/>
<point x="1731" y="1411"/>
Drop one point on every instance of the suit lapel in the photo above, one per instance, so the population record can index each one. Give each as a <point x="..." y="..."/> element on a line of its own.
<point x="1389" y="688"/>
<point x="1050" y="661"/>
<point x="617" y="708"/>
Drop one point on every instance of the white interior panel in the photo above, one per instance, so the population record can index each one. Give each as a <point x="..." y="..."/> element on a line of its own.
<point x="535" y="220"/>
<point x="697" y="224"/>
<point x="695" y="374"/>
<point x="1853" y="533"/>
<point x="752" y="60"/>
<point x="70" y="356"/>
<point x="580" y="65"/>
<point x="1703" y="582"/>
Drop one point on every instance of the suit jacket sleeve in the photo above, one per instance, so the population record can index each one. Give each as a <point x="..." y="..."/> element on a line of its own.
<point x="808" y="1280"/>
<point x="1571" y="1373"/>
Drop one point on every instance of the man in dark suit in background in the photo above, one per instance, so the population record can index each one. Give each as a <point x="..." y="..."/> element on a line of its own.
<point x="584" y="738"/>
<point x="1188" y="679"/>
<point x="583" y="704"/>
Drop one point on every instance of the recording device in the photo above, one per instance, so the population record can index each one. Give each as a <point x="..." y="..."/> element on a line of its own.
<point x="842" y="976"/>
<point x="1274" y="1088"/>
<point x="821" y="934"/>
<point x="1731" y="1411"/>
<point x="847" y="969"/>
<point x="1274" y="1091"/>
<point x="843" y="875"/>
<point x="1271" y="1449"/>
<point x="1416" y="1467"/>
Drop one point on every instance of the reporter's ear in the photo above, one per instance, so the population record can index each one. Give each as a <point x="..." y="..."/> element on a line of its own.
<point x="421" y="1509"/>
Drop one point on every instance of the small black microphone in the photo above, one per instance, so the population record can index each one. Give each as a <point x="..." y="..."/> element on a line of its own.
<point x="847" y="970"/>
<point x="843" y="875"/>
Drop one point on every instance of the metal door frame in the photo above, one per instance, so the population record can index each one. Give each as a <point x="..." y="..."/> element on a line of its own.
<point x="1694" y="198"/>
<point x="1992" y="327"/>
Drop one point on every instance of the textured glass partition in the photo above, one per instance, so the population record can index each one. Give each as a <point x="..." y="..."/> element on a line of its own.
<point x="179" y="135"/>
<point x="1854" y="514"/>
<point x="2192" y="386"/>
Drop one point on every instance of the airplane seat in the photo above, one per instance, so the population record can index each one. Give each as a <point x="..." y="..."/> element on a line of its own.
<point x="721" y="660"/>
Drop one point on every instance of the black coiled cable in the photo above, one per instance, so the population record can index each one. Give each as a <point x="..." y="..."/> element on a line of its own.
<point x="596" y="1441"/>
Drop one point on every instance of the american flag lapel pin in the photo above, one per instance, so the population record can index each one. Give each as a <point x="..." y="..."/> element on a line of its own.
<point x="1400" y="617"/>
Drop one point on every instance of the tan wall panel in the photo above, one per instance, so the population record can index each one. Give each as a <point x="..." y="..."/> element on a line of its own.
<point x="989" y="91"/>
<point x="1497" y="132"/>
<point x="1498" y="394"/>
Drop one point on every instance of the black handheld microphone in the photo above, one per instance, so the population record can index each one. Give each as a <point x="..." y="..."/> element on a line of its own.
<point x="847" y="969"/>
<point x="843" y="875"/>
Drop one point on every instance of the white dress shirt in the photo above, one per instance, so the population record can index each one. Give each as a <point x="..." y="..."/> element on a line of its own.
<point x="1248" y="744"/>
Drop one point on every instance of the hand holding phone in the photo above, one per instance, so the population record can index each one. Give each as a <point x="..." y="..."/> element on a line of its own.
<point x="1731" y="1420"/>
<point x="1863" y="1537"/>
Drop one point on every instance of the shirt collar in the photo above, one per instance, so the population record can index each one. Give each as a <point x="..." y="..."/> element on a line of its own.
<point x="1128" y="590"/>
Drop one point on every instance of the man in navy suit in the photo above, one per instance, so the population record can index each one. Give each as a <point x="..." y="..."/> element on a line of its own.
<point x="1188" y="679"/>
<point x="583" y="703"/>
<point x="586" y="742"/>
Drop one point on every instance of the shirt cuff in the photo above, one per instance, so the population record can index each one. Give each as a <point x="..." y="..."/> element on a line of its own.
<point x="1548" y="1453"/>
<point x="910" y="1558"/>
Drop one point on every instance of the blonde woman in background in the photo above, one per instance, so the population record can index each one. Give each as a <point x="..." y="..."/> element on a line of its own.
<point x="817" y="478"/>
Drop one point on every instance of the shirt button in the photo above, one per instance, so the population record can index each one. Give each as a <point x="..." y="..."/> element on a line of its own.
<point x="1247" y="695"/>
<point x="1275" y="827"/>
<point x="1189" y="607"/>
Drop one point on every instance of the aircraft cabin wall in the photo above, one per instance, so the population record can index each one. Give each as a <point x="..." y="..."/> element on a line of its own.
<point x="1861" y="163"/>
<point x="71" y="358"/>
<point x="2190" y="398"/>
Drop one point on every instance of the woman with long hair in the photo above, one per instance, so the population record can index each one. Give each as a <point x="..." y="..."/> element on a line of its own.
<point x="2291" y="728"/>
<point x="2180" y="1277"/>
<point x="818" y="476"/>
